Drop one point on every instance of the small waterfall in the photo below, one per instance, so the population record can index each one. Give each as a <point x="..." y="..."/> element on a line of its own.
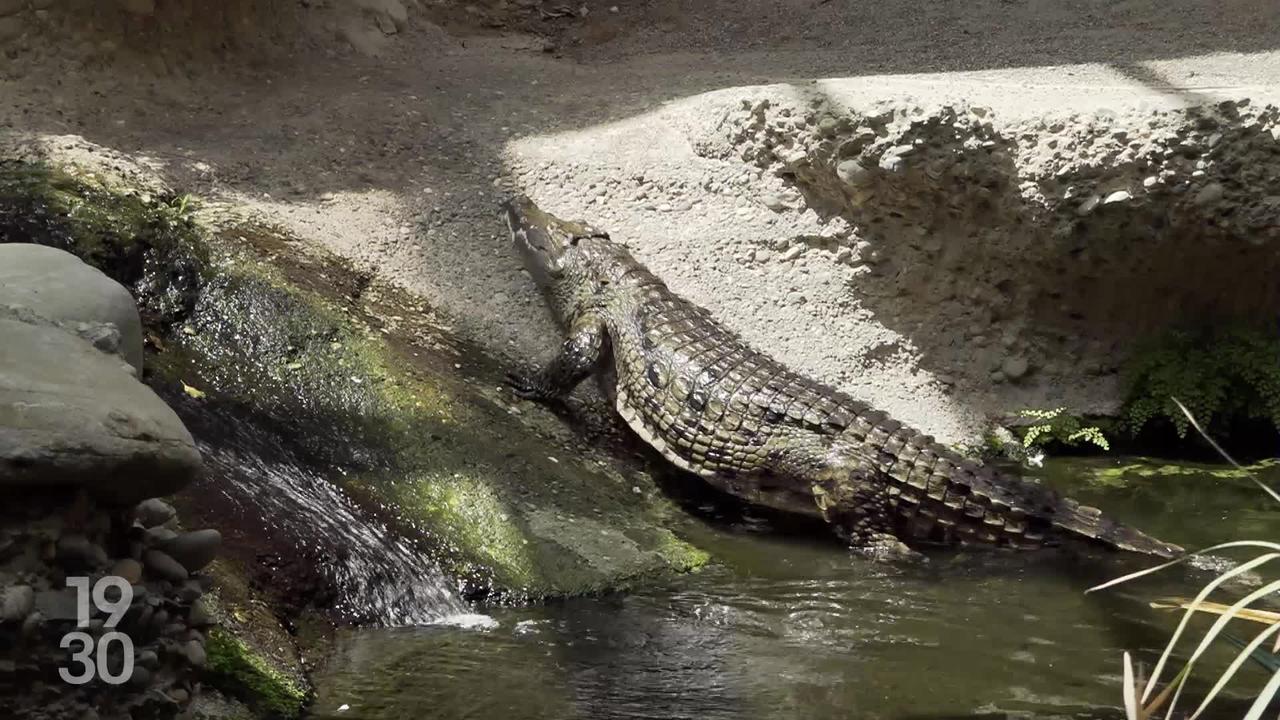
<point x="379" y="576"/>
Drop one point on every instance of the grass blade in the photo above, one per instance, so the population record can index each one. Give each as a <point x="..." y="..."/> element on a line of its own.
<point x="1230" y="672"/>
<point x="1221" y="623"/>
<point x="1265" y="617"/>
<point x="1186" y="618"/>
<point x="1264" y="698"/>
<point x="1266" y="660"/>
<point x="1195" y="424"/>
<point x="1130" y="691"/>
<point x="1275" y="547"/>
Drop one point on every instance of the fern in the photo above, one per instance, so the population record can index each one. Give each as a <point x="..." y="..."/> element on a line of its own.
<point x="1222" y="375"/>
<point x="1057" y="426"/>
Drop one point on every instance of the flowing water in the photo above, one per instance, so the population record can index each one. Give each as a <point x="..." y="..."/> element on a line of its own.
<point x="792" y="628"/>
<point x="376" y="575"/>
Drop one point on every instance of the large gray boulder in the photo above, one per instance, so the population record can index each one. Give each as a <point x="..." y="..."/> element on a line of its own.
<point x="59" y="286"/>
<point x="73" y="415"/>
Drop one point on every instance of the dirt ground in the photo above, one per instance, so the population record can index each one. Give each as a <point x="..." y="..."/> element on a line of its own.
<point x="388" y="131"/>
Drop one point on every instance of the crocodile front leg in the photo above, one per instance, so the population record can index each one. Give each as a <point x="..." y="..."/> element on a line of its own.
<point x="579" y="356"/>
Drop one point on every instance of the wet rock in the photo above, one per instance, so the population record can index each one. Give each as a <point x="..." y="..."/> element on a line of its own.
<point x="56" y="285"/>
<point x="195" y="549"/>
<point x="154" y="512"/>
<point x="83" y="420"/>
<point x="16" y="602"/>
<point x="1118" y="196"/>
<point x="164" y="566"/>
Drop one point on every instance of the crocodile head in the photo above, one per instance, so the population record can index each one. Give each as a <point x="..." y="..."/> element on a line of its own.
<point x="563" y="256"/>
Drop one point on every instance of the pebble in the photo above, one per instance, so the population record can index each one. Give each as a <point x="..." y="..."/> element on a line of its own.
<point x="129" y="569"/>
<point x="78" y="551"/>
<point x="1150" y="181"/>
<point x="1088" y="205"/>
<point x="154" y="512"/>
<point x="1014" y="367"/>
<point x="793" y="253"/>
<point x="179" y="695"/>
<point x="201" y="617"/>
<point x="773" y="202"/>
<point x="165" y="566"/>
<point x="891" y="162"/>
<point x="141" y="676"/>
<point x="194" y="652"/>
<point x="19" y="601"/>
<point x="1209" y="194"/>
<point x="853" y="173"/>
<point x="1118" y="196"/>
<point x="195" y="549"/>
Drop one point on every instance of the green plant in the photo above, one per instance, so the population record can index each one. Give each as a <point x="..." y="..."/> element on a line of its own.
<point x="1141" y="700"/>
<point x="1057" y="426"/>
<point x="1222" y="374"/>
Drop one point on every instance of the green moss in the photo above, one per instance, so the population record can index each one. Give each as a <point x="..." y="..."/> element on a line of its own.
<point x="1225" y="375"/>
<point x="238" y="671"/>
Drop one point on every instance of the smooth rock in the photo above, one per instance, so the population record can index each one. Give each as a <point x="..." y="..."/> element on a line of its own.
<point x="195" y="653"/>
<point x="853" y="173"/>
<point x="59" y="286"/>
<point x="154" y="512"/>
<point x="1118" y="196"/>
<point x="200" y="615"/>
<point x="141" y="676"/>
<point x="77" y="418"/>
<point x="195" y="549"/>
<point x="129" y="569"/>
<point x="18" y="601"/>
<point x="164" y="566"/>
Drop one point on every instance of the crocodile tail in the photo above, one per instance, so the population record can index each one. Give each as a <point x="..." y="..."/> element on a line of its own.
<point x="1087" y="522"/>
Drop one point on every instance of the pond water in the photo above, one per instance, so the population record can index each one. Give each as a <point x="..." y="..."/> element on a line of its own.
<point x="794" y="627"/>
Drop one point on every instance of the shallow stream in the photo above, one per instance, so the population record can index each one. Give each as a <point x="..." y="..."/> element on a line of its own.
<point x="794" y="628"/>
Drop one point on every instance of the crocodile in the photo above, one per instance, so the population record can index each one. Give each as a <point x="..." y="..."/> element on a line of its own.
<point x="713" y="405"/>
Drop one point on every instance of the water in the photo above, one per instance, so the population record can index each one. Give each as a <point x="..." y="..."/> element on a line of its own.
<point x="374" y="574"/>
<point x="793" y="628"/>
